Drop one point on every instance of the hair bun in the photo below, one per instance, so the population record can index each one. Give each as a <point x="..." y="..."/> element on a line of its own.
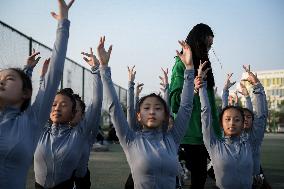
<point x="67" y="90"/>
<point x="77" y="96"/>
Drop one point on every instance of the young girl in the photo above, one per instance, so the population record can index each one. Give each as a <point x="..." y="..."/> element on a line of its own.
<point x="227" y="86"/>
<point x="82" y="173"/>
<point x="248" y="118"/>
<point x="232" y="156"/>
<point x="20" y="124"/>
<point x="132" y="106"/>
<point x="60" y="146"/>
<point x="152" y="152"/>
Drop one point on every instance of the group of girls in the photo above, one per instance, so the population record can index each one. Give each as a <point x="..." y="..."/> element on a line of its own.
<point x="56" y="132"/>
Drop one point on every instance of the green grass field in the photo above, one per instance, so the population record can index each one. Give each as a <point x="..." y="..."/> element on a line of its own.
<point x="109" y="170"/>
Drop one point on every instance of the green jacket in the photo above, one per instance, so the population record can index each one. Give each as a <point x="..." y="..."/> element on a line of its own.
<point x="194" y="132"/>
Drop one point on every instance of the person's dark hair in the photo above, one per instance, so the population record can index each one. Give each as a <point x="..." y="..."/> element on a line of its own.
<point x="27" y="86"/>
<point x="249" y="111"/>
<point x="197" y="40"/>
<point x="231" y="107"/>
<point x="69" y="93"/>
<point x="82" y="103"/>
<point x="141" y="100"/>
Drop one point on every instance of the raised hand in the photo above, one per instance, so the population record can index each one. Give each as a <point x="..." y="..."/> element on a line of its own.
<point x="197" y="83"/>
<point x="228" y="83"/>
<point x="202" y="73"/>
<point x="139" y="88"/>
<point x="63" y="10"/>
<point x="44" y="67"/>
<point x="32" y="60"/>
<point x="164" y="79"/>
<point x="236" y="97"/>
<point x="231" y="100"/>
<point x="252" y="79"/>
<point x="186" y="56"/>
<point x="131" y="73"/>
<point x="90" y="58"/>
<point x="103" y="55"/>
<point x="243" y="90"/>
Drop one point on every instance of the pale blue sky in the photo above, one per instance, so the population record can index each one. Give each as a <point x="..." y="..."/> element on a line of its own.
<point x="145" y="33"/>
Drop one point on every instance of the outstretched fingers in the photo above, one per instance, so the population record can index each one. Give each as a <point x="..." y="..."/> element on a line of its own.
<point x="70" y="4"/>
<point x="63" y="10"/>
<point x="247" y="68"/>
<point x="229" y="75"/>
<point x="202" y="73"/>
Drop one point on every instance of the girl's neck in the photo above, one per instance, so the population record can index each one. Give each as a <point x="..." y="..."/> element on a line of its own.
<point x="59" y="124"/>
<point x="233" y="136"/>
<point x="146" y="128"/>
<point x="4" y="106"/>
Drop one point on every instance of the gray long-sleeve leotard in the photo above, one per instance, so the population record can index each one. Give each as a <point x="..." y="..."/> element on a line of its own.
<point x="59" y="148"/>
<point x="232" y="157"/>
<point x="19" y="131"/>
<point x="256" y="133"/>
<point x="151" y="153"/>
<point x="131" y="108"/>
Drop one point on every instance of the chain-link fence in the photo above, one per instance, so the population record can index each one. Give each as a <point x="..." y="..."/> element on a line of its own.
<point x="15" y="47"/>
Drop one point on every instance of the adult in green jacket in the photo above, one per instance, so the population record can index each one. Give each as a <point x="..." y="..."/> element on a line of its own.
<point x="200" y="39"/>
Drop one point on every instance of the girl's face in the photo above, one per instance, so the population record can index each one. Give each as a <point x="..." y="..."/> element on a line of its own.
<point x="232" y="122"/>
<point x="152" y="113"/>
<point x="78" y="115"/>
<point x="11" y="89"/>
<point x="61" y="111"/>
<point x="248" y="120"/>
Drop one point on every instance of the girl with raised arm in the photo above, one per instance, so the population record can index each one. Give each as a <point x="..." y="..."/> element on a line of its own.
<point x="152" y="152"/>
<point x="20" y="122"/>
<point x="82" y="173"/>
<point x="55" y="158"/>
<point x="233" y="156"/>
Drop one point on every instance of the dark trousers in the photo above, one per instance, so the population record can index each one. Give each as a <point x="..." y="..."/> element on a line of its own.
<point x="83" y="183"/>
<point x="195" y="157"/>
<point x="64" y="185"/>
<point x="129" y="182"/>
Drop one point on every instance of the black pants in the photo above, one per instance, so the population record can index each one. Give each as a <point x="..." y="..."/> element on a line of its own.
<point x="83" y="183"/>
<point x="64" y="185"/>
<point x="129" y="182"/>
<point x="195" y="157"/>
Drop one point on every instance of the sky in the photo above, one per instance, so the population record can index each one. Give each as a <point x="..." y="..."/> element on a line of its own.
<point x="145" y="33"/>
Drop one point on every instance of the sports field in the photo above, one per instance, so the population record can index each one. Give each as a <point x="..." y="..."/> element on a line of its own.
<point x="109" y="170"/>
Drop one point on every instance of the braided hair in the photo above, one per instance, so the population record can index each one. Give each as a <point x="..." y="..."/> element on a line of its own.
<point x="197" y="39"/>
<point x="82" y="103"/>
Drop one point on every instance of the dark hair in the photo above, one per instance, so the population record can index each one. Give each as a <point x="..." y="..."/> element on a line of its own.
<point x="231" y="107"/>
<point x="82" y="103"/>
<point x="197" y="40"/>
<point x="27" y="86"/>
<point x="141" y="100"/>
<point x="249" y="111"/>
<point x="69" y="93"/>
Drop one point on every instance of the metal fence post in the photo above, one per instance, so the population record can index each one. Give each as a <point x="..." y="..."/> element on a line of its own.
<point x="30" y="45"/>
<point x="83" y="84"/>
